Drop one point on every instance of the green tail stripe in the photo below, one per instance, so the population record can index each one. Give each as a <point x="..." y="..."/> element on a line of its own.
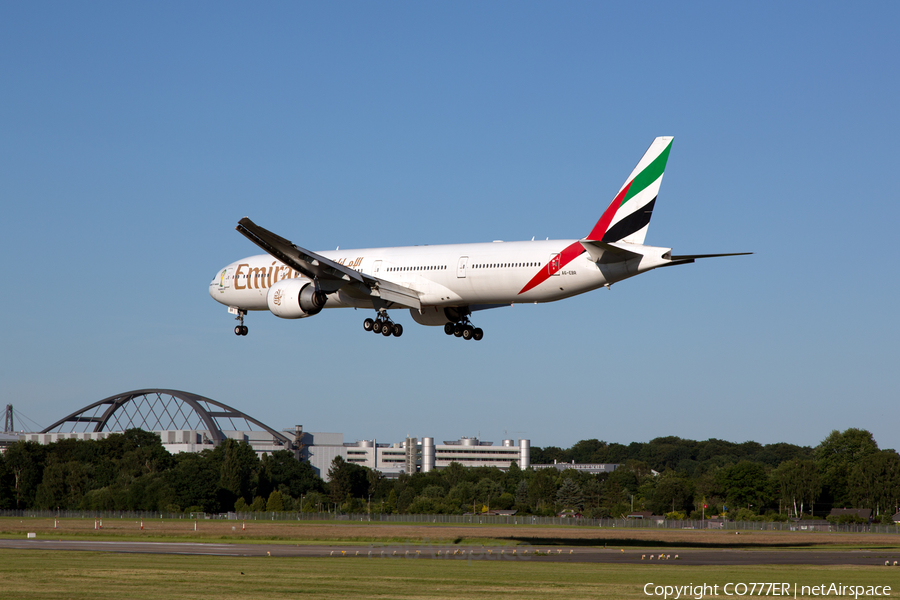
<point x="648" y="175"/>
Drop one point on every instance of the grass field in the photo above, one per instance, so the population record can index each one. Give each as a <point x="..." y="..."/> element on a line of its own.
<point x="345" y="532"/>
<point x="42" y="574"/>
<point x="88" y="575"/>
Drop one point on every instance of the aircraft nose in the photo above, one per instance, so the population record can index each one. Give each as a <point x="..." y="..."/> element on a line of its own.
<point x="217" y="285"/>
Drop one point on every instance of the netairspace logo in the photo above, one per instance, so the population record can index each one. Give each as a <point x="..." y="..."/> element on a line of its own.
<point x="700" y="591"/>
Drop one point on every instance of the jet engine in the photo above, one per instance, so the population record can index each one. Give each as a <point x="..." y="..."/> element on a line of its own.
<point x="295" y="299"/>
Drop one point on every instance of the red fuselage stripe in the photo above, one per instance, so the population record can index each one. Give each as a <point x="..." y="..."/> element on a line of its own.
<point x="573" y="251"/>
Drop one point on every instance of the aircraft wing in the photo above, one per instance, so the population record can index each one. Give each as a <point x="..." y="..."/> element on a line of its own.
<point x="333" y="276"/>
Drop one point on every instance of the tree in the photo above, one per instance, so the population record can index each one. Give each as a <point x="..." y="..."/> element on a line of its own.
<point x="745" y="485"/>
<point x="275" y="502"/>
<point x="569" y="495"/>
<point x="542" y="487"/>
<point x="24" y="461"/>
<point x="237" y="463"/>
<point x="875" y="482"/>
<point x="615" y="499"/>
<point x="799" y="483"/>
<point x="195" y="481"/>
<point x="837" y="455"/>
<point x="345" y="479"/>
<point x="390" y="505"/>
<point x="486" y="489"/>
<point x="593" y="495"/>
<point x="454" y="473"/>
<point x="281" y="469"/>
<point x="671" y="493"/>
<point x="522" y="493"/>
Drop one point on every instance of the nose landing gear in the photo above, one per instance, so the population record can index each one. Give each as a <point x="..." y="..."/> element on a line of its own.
<point x="383" y="325"/>
<point x="240" y="329"/>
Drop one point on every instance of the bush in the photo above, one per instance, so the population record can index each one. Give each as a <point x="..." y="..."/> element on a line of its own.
<point x="745" y="514"/>
<point x="845" y="519"/>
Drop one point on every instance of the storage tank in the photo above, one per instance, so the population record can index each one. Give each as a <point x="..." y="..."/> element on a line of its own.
<point x="427" y="454"/>
<point x="524" y="454"/>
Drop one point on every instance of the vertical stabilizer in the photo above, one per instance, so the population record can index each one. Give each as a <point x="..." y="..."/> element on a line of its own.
<point x="627" y="217"/>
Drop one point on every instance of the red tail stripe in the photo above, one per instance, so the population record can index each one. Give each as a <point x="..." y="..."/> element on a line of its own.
<point x="603" y="224"/>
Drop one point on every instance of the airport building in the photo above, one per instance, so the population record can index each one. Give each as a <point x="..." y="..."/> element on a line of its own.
<point x="412" y="455"/>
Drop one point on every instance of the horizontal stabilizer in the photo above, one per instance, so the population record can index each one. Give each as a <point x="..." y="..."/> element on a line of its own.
<point x="693" y="257"/>
<point x="603" y="252"/>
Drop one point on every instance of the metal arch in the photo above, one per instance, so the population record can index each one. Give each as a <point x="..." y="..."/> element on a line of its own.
<point x="193" y="400"/>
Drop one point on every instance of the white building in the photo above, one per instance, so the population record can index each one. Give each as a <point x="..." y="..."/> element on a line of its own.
<point x="412" y="455"/>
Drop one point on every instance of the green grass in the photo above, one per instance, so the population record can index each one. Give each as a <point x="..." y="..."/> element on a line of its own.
<point x="98" y="576"/>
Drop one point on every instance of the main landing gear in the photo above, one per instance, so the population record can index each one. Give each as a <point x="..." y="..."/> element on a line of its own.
<point x="240" y="329"/>
<point x="464" y="330"/>
<point x="383" y="325"/>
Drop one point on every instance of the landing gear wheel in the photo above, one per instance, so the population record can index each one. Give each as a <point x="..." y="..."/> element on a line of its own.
<point x="239" y="329"/>
<point x="448" y="328"/>
<point x="376" y="327"/>
<point x="368" y="324"/>
<point x="397" y="330"/>
<point x="477" y="334"/>
<point x="467" y="332"/>
<point x="386" y="329"/>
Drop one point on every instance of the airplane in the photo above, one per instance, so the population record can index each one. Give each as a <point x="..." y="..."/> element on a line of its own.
<point x="443" y="285"/>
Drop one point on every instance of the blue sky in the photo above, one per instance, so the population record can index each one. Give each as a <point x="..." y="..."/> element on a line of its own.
<point x="134" y="136"/>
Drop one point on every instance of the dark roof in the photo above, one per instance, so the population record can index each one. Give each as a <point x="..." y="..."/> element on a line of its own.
<point x="863" y="513"/>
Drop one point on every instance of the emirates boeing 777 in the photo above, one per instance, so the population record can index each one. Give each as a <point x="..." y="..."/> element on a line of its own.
<point x="443" y="285"/>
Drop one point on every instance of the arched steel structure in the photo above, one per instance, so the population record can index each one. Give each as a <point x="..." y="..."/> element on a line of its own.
<point x="160" y="409"/>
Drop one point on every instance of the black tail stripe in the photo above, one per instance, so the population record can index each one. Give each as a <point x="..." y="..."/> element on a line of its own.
<point x="630" y="224"/>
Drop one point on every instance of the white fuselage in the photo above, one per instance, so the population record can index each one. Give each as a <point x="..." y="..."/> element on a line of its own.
<point x="467" y="275"/>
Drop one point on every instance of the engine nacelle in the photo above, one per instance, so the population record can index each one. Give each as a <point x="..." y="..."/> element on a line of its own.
<point x="295" y="299"/>
<point x="437" y="315"/>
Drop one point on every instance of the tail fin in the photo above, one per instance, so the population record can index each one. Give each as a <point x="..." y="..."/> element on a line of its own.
<point x="627" y="217"/>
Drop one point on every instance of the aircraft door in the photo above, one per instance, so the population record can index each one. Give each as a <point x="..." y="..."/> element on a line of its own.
<point x="376" y="268"/>
<point x="225" y="278"/>
<point x="553" y="265"/>
<point x="461" y="267"/>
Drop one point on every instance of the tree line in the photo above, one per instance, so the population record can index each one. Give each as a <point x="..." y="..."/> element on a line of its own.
<point x="667" y="476"/>
<point x="133" y="471"/>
